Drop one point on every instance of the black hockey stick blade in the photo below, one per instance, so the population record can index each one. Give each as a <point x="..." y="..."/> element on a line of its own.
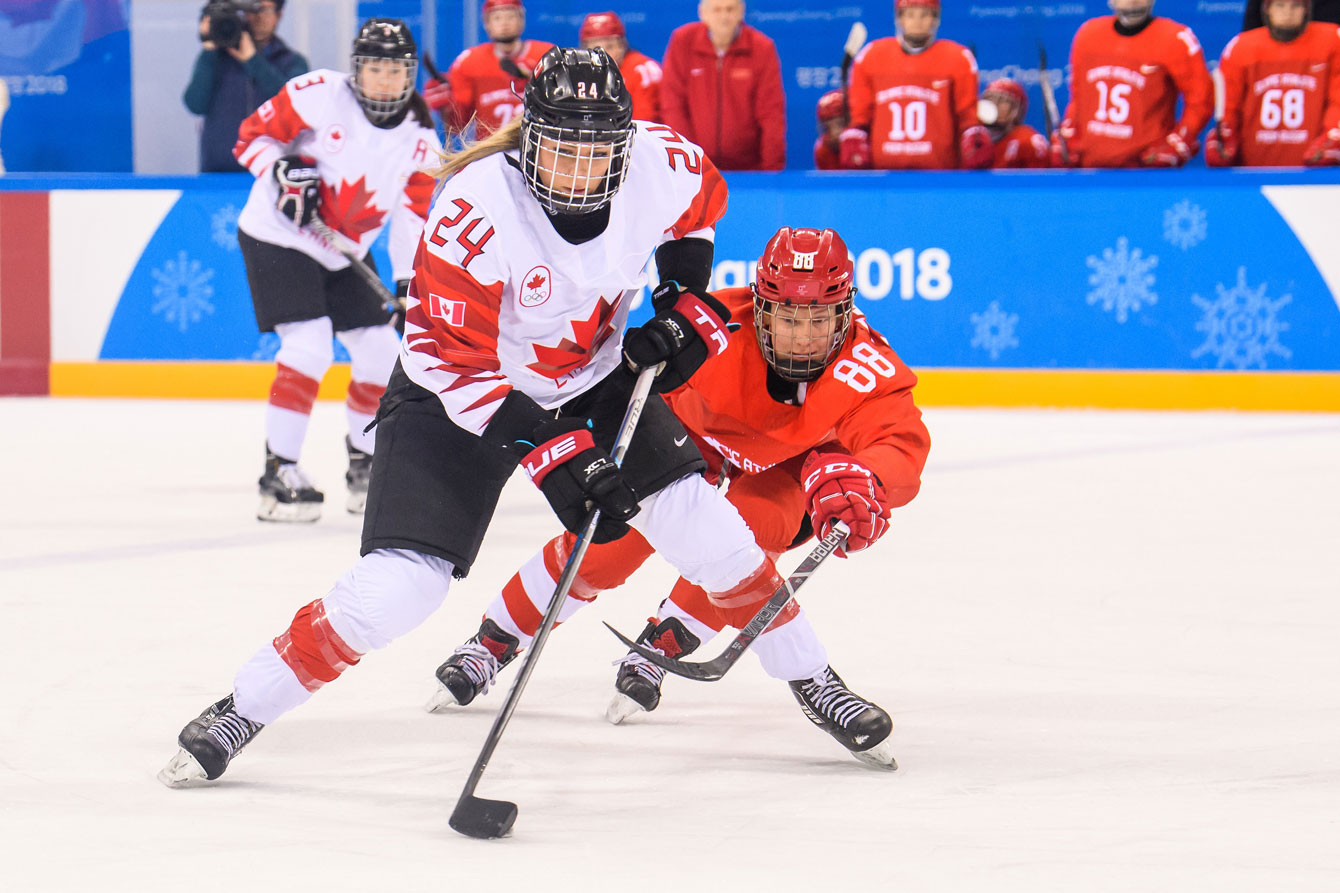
<point x="429" y="67"/>
<point x="482" y="819"/>
<point x="714" y="669"/>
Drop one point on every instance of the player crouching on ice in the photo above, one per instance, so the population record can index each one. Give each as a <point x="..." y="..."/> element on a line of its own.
<point x="515" y="353"/>
<point x="809" y="416"/>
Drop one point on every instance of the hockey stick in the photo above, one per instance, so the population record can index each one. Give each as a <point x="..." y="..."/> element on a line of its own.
<point x="489" y="819"/>
<point x="714" y="669"/>
<point x="429" y="67"/>
<point x="509" y="66"/>
<point x="332" y="240"/>
<point x="1049" y="107"/>
<point x="855" y="40"/>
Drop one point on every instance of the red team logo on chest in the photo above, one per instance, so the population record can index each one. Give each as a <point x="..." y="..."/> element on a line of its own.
<point x="450" y="311"/>
<point x="536" y="287"/>
<point x="334" y="138"/>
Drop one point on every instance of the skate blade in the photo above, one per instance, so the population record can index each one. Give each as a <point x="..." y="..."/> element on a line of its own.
<point x="288" y="512"/>
<point x="880" y="756"/>
<point x="622" y="707"/>
<point x="356" y="503"/>
<point x="182" y="771"/>
<point x="441" y="701"/>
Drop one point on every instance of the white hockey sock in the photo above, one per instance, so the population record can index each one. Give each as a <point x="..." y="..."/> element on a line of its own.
<point x="285" y="430"/>
<point x="791" y="651"/>
<point x="520" y="606"/>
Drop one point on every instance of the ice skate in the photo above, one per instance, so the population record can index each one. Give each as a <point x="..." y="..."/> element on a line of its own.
<point x="208" y="743"/>
<point x="473" y="667"/>
<point x="638" y="684"/>
<point x="857" y="724"/>
<point x="286" y="493"/>
<point x="356" y="478"/>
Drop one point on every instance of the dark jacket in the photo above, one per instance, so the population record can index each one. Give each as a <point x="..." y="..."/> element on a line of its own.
<point x="226" y="91"/>
<point x="732" y="105"/>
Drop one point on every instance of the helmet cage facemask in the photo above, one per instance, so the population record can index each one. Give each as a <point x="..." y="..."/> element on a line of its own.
<point x="378" y="109"/>
<point x="559" y="142"/>
<point x="792" y="368"/>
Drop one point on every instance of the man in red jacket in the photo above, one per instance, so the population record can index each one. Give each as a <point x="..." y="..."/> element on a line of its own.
<point x="723" y="89"/>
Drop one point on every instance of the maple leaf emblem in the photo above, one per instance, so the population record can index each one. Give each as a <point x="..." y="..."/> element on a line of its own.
<point x="536" y="281"/>
<point x="589" y="334"/>
<point x="349" y="209"/>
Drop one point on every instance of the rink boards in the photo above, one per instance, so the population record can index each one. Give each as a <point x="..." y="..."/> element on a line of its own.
<point x="1145" y="289"/>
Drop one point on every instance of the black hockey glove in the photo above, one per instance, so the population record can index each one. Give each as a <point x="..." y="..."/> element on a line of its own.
<point x="299" y="188"/>
<point x="397" y="305"/>
<point x="574" y="474"/>
<point x="689" y="326"/>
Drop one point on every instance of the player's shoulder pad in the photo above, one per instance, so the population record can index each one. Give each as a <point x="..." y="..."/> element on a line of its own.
<point x="1231" y="45"/>
<point x="463" y="230"/>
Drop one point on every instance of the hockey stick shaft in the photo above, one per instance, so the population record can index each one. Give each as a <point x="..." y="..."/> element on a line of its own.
<point x="1049" y="107"/>
<point x="332" y="240"/>
<point x="492" y="817"/>
<point x="712" y="670"/>
<point x="855" y="40"/>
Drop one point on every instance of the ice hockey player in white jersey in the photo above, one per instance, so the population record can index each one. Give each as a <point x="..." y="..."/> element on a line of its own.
<point x="515" y="353"/>
<point x="335" y="157"/>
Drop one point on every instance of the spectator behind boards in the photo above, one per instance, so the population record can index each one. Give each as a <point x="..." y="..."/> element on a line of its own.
<point x="242" y="63"/>
<point x="642" y="75"/>
<point x="723" y="89"/>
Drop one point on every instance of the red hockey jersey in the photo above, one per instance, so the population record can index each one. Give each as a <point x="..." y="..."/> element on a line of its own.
<point x="480" y="87"/>
<point x="642" y="74"/>
<point x="1022" y="147"/>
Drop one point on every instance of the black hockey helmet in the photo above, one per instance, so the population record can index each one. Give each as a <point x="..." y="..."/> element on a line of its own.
<point x="382" y="39"/>
<point x="578" y="113"/>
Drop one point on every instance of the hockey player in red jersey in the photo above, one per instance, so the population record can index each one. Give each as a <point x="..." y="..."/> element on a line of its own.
<point x="1127" y="71"/>
<point x="1002" y="108"/>
<point x="913" y="99"/>
<point x="832" y="115"/>
<point x="809" y="415"/>
<point x="515" y="352"/>
<point x="485" y="81"/>
<point x="1281" y="92"/>
<point x="349" y="152"/>
<point x="640" y="72"/>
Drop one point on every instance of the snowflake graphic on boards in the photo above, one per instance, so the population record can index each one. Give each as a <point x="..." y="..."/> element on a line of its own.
<point x="1241" y="326"/>
<point x="182" y="290"/>
<point x="993" y="330"/>
<point x="1184" y="224"/>
<point x="266" y="347"/>
<point x="1121" y="279"/>
<point x="223" y="227"/>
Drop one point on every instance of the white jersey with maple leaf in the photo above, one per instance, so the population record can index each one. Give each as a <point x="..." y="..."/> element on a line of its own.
<point x="500" y="300"/>
<point x="369" y="176"/>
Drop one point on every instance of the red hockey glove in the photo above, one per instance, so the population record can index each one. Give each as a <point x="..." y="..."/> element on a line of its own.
<point x="1221" y="146"/>
<point x="437" y="94"/>
<point x="689" y="327"/>
<point x="575" y="475"/>
<point x="839" y="488"/>
<point x="1171" y="151"/>
<point x="1324" y="150"/>
<point x="854" y="149"/>
<point x="299" y="188"/>
<point x="1061" y="153"/>
<point x="976" y="151"/>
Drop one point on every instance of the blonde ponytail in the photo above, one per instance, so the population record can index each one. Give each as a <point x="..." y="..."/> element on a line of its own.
<point x="501" y="140"/>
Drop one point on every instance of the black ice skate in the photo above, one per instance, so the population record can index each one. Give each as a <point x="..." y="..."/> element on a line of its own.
<point x="360" y="471"/>
<point x="638" y="684"/>
<point x="208" y="743"/>
<point x="286" y="494"/>
<point x="472" y="668"/>
<point x="858" y="725"/>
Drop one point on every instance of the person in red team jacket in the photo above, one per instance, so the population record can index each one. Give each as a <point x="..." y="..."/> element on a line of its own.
<point x="831" y="113"/>
<point x="1281" y="92"/>
<point x="723" y="89"/>
<point x="1005" y="103"/>
<point x="913" y="99"/>
<point x="809" y="414"/>
<point x="1127" y="70"/>
<point x="642" y="74"/>
<point x="485" y="81"/>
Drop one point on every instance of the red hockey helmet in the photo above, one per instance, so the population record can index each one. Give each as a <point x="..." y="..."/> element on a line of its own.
<point x="830" y="107"/>
<point x="491" y="5"/>
<point x="1011" y="89"/>
<point x="601" y="24"/>
<point x="803" y="301"/>
<point x="933" y="5"/>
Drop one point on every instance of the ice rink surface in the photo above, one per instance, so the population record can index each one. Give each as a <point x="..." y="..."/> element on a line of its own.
<point x="1110" y="642"/>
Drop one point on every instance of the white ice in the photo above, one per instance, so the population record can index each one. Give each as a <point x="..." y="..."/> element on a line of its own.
<point x="1110" y="642"/>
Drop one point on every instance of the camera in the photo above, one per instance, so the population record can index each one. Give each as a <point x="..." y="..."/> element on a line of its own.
<point x="227" y="21"/>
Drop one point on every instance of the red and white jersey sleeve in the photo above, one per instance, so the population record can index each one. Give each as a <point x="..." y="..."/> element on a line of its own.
<point x="1279" y="97"/>
<point x="915" y="106"/>
<point x="500" y="300"/>
<point x="1124" y="90"/>
<point x="370" y="176"/>
<point x="643" y="75"/>
<point x="1022" y="147"/>
<point x="480" y="88"/>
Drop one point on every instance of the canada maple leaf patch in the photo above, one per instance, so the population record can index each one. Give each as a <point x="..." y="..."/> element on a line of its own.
<point x="535" y="281"/>
<point x="572" y="353"/>
<point x="348" y="209"/>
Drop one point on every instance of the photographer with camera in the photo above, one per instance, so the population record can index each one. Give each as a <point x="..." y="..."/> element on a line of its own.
<point x="242" y="63"/>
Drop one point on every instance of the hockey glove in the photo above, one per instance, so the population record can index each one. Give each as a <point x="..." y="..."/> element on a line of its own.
<point x="689" y="326"/>
<point x="397" y="305"/>
<point x="854" y="149"/>
<point x="1171" y="151"/>
<point x="1061" y="153"/>
<point x="1221" y="147"/>
<point x="299" y="188"/>
<point x="976" y="151"/>
<point x="575" y="475"/>
<point x="1324" y="150"/>
<point x="839" y="488"/>
<point x="437" y="94"/>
